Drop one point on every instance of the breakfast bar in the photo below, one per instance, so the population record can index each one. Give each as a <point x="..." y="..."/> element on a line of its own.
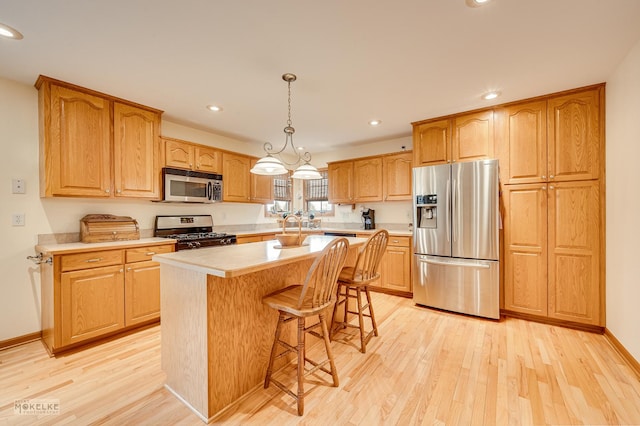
<point x="216" y="333"/>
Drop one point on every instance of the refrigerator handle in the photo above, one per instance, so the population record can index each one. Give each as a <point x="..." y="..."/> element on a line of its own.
<point x="448" y="210"/>
<point x="467" y="265"/>
<point x="455" y="188"/>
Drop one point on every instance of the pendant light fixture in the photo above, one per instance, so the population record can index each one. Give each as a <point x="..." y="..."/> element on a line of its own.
<point x="270" y="165"/>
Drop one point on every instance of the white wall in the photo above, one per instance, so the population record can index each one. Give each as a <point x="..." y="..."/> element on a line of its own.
<point x="20" y="282"/>
<point x="623" y="202"/>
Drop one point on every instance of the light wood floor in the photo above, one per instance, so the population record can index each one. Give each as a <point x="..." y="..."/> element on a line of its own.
<point x="426" y="367"/>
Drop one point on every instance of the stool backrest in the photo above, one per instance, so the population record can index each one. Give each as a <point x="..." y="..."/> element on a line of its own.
<point x="370" y="255"/>
<point x="322" y="278"/>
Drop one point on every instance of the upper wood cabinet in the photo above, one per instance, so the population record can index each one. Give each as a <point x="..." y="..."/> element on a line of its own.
<point x="367" y="175"/>
<point x="551" y="140"/>
<point x="341" y="183"/>
<point x="396" y="176"/>
<point x="236" y="185"/>
<point x="135" y="152"/>
<point x="522" y="142"/>
<point x="463" y="137"/>
<point x="191" y="156"/>
<point x="574" y="135"/>
<point x="432" y="143"/>
<point x="261" y="186"/>
<point x="79" y="131"/>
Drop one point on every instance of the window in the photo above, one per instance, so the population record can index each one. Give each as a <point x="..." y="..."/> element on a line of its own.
<point x="281" y="196"/>
<point x="316" y="196"/>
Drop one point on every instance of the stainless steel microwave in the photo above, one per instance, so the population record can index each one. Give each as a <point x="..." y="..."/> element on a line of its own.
<point x="189" y="186"/>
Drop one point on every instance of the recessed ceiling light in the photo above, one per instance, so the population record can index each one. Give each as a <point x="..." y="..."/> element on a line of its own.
<point x="214" y="108"/>
<point x="8" y="32"/>
<point x="490" y="95"/>
<point x="476" y="3"/>
<point x="375" y="122"/>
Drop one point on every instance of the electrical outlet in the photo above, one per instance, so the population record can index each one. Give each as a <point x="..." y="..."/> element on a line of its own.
<point x="18" y="186"/>
<point x="17" y="219"/>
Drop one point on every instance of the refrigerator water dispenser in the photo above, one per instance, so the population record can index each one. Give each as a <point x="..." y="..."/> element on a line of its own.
<point x="427" y="211"/>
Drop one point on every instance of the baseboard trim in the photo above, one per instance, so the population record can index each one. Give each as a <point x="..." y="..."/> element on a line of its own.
<point x="20" y="340"/>
<point x="624" y="353"/>
<point x="553" y="321"/>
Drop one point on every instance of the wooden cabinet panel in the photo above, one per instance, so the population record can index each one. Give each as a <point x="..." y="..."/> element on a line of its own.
<point x="178" y="154"/>
<point x="136" y="153"/>
<point x="141" y="254"/>
<point x="243" y="239"/>
<point x="523" y="139"/>
<point x="208" y="160"/>
<point x="473" y="136"/>
<point x="574" y="246"/>
<point x="368" y="179"/>
<point x="87" y="260"/>
<point x="235" y="172"/>
<point x="142" y="292"/>
<point x="92" y="303"/>
<point x="574" y="136"/>
<point x="525" y="239"/>
<point x="396" y="176"/>
<point x="75" y="145"/>
<point x="341" y="182"/>
<point x="432" y="143"/>
<point x="397" y="269"/>
<point x="261" y="186"/>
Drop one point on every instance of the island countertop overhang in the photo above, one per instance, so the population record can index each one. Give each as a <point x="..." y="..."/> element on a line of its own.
<point x="236" y="260"/>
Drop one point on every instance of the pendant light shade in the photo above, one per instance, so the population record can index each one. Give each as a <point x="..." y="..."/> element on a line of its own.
<point x="269" y="165"/>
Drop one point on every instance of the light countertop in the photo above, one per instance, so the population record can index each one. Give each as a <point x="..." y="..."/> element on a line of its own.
<point x="235" y="260"/>
<point x="328" y="228"/>
<point x="84" y="247"/>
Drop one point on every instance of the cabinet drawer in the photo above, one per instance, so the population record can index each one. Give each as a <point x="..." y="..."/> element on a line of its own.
<point x="399" y="241"/>
<point x="140" y="254"/>
<point x="94" y="259"/>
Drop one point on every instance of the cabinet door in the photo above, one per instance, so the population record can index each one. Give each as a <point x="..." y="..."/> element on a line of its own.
<point x="235" y="175"/>
<point x="178" y="154"/>
<point x="261" y="187"/>
<point x="77" y="152"/>
<point x="574" y="252"/>
<point x="396" y="176"/>
<point x="432" y="143"/>
<point x="136" y="153"/>
<point x="525" y="240"/>
<point x="142" y="292"/>
<point x="341" y="182"/>
<point x="208" y="160"/>
<point x="522" y="135"/>
<point x="91" y="303"/>
<point x="368" y="180"/>
<point x="396" y="268"/>
<point x="574" y="136"/>
<point x="473" y="136"/>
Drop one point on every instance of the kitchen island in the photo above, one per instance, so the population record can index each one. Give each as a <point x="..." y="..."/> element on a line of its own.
<point x="216" y="333"/>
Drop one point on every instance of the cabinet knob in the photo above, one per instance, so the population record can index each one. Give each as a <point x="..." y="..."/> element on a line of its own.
<point x="551" y="187"/>
<point x="150" y="253"/>
<point x="551" y="176"/>
<point x="190" y="165"/>
<point x="121" y="270"/>
<point x="544" y="188"/>
<point x="97" y="259"/>
<point x="543" y="177"/>
<point x="128" y="269"/>
<point x="107" y="191"/>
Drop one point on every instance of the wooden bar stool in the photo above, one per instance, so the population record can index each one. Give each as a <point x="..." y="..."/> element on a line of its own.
<point x="353" y="280"/>
<point x="301" y="301"/>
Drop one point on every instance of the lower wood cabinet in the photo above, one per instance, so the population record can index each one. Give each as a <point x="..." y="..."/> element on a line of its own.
<point x="90" y="294"/>
<point x="553" y="251"/>
<point x="395" y="269"/>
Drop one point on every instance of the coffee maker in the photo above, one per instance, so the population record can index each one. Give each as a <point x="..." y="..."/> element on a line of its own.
<point x="368" y="216"/>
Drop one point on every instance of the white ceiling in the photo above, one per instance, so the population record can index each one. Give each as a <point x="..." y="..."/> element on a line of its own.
<point x="397" y="61"/>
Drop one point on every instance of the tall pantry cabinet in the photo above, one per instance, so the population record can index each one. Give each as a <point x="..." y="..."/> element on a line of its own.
<point x="552" y="174"/>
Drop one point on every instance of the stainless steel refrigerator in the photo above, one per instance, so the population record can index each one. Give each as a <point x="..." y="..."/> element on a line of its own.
<point x="455" y="241"/>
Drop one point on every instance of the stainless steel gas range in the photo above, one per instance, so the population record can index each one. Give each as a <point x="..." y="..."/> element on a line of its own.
<point x="191" y="231"/>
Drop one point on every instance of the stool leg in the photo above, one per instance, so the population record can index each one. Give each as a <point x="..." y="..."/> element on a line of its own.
<point x="363" y="347"/>
<point x="274" y="350"/>
<point x="327" y="345"/>
<point x="373" y="318"/>
<point x="334" y="327"/>
<point x="301" y="356"/>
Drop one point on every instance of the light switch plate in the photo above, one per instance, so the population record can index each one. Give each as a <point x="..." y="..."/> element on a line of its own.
<point x="18" y="186"/>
